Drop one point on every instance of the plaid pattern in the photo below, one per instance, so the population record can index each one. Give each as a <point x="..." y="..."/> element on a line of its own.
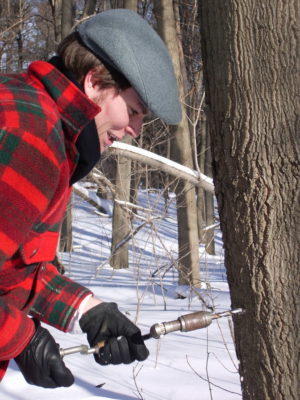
<point x="41" y="115"/>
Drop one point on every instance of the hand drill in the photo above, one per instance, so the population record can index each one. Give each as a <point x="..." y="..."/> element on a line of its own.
<point x="185" y="323"/>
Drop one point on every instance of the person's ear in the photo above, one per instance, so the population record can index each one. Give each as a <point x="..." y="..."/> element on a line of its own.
<point x="89" y="88"/>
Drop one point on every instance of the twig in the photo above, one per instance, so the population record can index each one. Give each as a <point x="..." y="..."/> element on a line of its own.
<point x="14" y="25"/>
<point x="97" y="176"/>
<point x="206" y="367"/>
<point x="223" y="365"/>
<point x="194" y="124"/>
<point x="135" y="382"/>
<point x="131" y="205"/>
<point x="131" y="234"/>
<point x="207" y="228"/>
<point x="226" y="347"/>
<point x="165" y="267"/>
<point x="211" y="383"/>
<point x="157" y="352"/>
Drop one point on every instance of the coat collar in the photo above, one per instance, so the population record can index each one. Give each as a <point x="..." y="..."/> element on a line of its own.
<point x="75" y="108"/>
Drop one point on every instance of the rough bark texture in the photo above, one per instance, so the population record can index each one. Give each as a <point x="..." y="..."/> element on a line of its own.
<point x="251" y="54"/>
<point x="188" y="247"/>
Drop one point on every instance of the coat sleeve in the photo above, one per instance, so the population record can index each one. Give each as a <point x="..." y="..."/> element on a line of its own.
<point x="57" y="297"/>
<point x="16" y="331"/>
<point x="16" y="327"/>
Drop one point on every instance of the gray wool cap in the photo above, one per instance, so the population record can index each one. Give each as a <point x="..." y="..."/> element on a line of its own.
<point x="129" y="44"/>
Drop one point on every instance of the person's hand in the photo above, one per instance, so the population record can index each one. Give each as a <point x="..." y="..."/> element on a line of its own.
<point x="123" y="340"/>
<point x="41" y="363"/>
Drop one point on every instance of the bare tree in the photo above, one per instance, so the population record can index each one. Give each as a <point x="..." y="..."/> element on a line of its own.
<point x="181" y="152"/>
<point x="14" y="16"/>
<point x="251" y="58"/>
<point x="67" y="21"/>
<point x="121" y="219"/>
<point x="67" y="17"/>
<point x="56" y="9"/>
<point x="121" y="223"/>
<point x="189" y="32"/>
<point x="210" y="219"/>
<point x="89" y="8"/>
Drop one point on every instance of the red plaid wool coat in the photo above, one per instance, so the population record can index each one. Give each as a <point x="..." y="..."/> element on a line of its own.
<point x="41" y="115"/>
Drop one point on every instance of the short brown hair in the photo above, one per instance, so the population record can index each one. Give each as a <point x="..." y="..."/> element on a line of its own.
<point x="79" y="60"/>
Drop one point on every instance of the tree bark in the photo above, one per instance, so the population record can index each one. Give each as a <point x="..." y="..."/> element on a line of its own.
<point x="56" y="8"/>
<point x="201" y="210"/>
<point x="188" y="246"/>
<point x="209" y="235"/>
<point x="251" y="60"/>
<point x="66" y="235"/>
<point x="130" y="4"/>
<point x="89" y="8"/>
<point x="121" y="224"/>
<point x="189" y="32"/>
<point x="67" y="17"/>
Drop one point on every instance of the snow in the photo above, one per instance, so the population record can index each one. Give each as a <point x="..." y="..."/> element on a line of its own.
<point x="182" y="365"/>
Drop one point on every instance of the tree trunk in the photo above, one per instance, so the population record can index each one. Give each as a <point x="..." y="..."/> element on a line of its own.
<point x="251" y="61"/>
<point x="66" y="237"/>
<point x="209" y="235"/>
<point x="201" y="211"/>
<point x="130" y="4"/>
<point x="66" y="234"/>
<point x="67" y="17"/>
<point x="121" y="221"/>
<point x="189" y="32"/>
<point x="56" y="8"/>
<point x="89" y="8"/>
<point x="188" y="247"/>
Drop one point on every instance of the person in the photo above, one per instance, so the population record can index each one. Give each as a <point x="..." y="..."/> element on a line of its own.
<point x="55" y="120"/>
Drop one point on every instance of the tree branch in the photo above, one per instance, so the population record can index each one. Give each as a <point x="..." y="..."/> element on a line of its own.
<point x="168" y="166"/>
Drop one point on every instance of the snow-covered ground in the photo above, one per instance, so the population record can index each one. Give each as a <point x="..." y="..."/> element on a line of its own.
<point x="193" y="365"/>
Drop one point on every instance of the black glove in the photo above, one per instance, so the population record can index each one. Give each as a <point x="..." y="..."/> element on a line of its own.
<point x="123" y="340"/>
<point x="41" y="363"/>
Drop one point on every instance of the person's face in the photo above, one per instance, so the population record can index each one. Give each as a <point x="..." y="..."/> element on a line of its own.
<point x="121" y="114"/>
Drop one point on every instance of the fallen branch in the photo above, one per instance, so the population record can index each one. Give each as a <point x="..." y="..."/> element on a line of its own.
<point x="168" y="166"/>
<point x="85" y="197"/>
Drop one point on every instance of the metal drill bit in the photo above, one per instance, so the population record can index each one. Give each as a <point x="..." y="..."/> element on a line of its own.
<point x="227" y="313"/>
